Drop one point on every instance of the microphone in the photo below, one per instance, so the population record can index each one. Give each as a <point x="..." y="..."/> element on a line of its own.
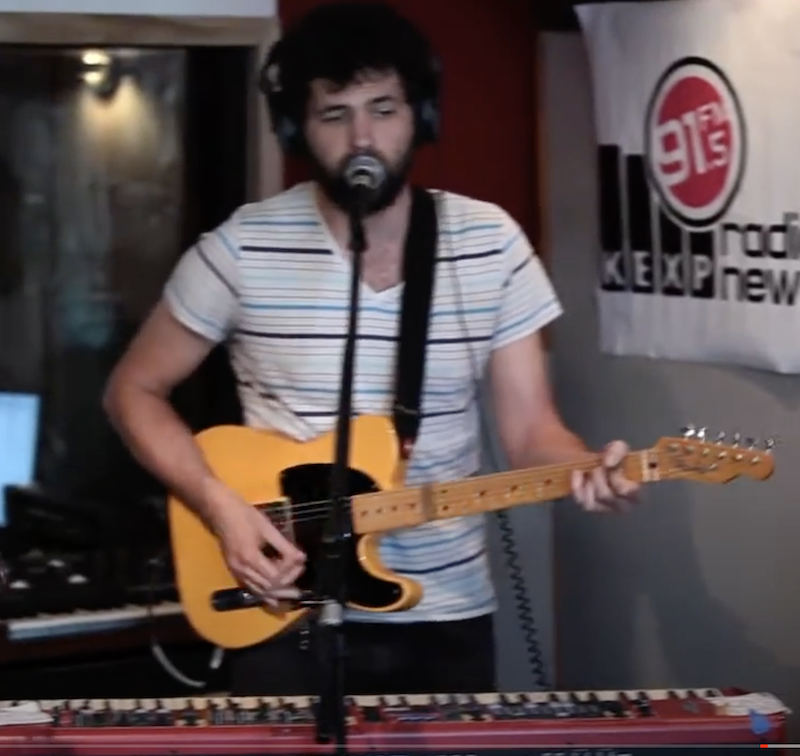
<point x="364" y="175"/>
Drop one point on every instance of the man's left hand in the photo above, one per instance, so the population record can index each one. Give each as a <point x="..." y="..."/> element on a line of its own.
<point x="605" y="488"/>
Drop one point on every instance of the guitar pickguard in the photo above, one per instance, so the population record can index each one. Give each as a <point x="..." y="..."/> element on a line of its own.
<point x="302" y="518"/>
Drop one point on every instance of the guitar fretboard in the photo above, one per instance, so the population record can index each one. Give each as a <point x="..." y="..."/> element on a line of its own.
<point x="408" y="507"/>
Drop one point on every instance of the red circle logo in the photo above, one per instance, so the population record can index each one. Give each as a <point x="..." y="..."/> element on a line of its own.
<point x="695" y="142"/>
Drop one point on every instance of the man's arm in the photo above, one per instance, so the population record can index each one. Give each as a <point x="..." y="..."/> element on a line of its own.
<point x="533" y="433"/>
<point x="136" y="399"/>
<point x="199" y="308"/>
<point x="530" y="428"/>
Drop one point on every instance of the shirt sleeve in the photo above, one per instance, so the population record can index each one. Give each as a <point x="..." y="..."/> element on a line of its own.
<point x="528" y="301"/>
<point x="203" y="289"/>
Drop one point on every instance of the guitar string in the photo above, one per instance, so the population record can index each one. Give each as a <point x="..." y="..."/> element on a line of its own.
<point x="315" y="510"/>
<point x="316" y="504"/>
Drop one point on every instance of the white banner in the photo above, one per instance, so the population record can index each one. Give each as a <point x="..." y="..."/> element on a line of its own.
<point x="698" y="124"/>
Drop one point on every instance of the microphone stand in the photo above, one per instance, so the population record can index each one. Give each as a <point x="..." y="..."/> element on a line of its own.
<point x="332" y="577"/>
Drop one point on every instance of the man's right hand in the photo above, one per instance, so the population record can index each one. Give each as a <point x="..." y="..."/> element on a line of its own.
<point x="243" y="531"/>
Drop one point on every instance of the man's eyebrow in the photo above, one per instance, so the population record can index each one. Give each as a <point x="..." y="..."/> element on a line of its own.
<point x="377" y="100"/>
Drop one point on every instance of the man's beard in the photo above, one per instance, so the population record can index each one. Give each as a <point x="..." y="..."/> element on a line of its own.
<point x="335" y="187"/>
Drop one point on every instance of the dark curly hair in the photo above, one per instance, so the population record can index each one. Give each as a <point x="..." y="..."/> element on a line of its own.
<point x="341" y="41"/>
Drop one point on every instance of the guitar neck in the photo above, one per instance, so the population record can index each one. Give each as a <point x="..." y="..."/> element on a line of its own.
<point x="407" y="507"/>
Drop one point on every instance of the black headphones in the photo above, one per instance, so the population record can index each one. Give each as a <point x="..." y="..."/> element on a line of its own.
<point x="427" y="114"/>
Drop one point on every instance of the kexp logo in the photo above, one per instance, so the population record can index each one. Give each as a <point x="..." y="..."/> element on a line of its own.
<point x="695" y="160"/>
<point x="695" y="145"/>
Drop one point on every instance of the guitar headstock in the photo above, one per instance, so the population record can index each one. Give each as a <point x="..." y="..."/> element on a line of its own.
<point x="696" y="457"/>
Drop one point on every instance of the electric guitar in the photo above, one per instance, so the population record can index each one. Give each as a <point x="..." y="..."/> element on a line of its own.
<point x="289" y="480"/>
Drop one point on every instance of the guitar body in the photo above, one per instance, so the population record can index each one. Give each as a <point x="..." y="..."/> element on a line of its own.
<point x="281" y="475"/>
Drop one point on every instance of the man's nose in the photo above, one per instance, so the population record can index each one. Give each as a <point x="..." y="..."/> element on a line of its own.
<point x="361" y="131"/>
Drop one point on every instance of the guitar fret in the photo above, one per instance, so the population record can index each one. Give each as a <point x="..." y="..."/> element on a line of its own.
<point x="649" y="466"/>
<point x="452" y="503"/>
<point x="402" y="507"/>
<point x="408" y="507"/>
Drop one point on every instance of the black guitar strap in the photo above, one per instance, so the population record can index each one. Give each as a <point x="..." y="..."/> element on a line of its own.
<point x="419" y="264"/>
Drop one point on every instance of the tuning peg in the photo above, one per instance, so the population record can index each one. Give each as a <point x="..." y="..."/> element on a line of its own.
<point x="751" y="443"/>
<point x="701" y="434"/>
<point x="720" y="437"/>
<point x="737" y="437"/>
<point x="688" y="431"/>
<point x="769" y="445"/>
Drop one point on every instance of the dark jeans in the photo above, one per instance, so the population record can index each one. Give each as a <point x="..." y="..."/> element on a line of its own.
<point x="382" y="659"/>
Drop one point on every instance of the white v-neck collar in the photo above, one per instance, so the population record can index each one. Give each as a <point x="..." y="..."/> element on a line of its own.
<point x="343" y="257"/>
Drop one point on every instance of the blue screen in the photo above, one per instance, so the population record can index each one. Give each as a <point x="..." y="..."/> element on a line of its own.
<point x="19" y="431"/>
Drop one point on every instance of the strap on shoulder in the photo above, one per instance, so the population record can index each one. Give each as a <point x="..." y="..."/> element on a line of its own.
<point x="419" y="264"/>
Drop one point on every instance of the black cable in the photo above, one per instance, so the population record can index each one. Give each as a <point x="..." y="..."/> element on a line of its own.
<point x="519" y="587"/>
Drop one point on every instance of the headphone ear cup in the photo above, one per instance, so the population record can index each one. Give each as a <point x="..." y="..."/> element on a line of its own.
<point x="427" y="122"/>
<point x="284" y="128"/>
<point x="428" y="113"/>
<point x="289" y="137"/>
<point x="284" y="133"/>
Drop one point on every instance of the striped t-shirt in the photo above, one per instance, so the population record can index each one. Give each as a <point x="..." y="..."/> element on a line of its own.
<point x="274" y="284"/>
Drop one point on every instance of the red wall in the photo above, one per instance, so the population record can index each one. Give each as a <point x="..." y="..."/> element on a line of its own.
<point x="487" y="146"/>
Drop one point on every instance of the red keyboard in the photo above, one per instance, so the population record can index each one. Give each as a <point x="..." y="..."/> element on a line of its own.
<point x="583" y="723"/>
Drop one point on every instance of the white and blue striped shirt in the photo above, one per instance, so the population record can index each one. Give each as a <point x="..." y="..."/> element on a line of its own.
<point x="273" y="282"/>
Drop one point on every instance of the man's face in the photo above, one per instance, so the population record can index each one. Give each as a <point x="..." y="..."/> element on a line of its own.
<point x="369" y="117"/>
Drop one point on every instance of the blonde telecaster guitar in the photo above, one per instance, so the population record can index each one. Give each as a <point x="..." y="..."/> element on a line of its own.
<point x="289" y="481"/>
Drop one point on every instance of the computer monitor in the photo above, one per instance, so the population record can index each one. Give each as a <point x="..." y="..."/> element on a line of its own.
<point x="19" y="436"/>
